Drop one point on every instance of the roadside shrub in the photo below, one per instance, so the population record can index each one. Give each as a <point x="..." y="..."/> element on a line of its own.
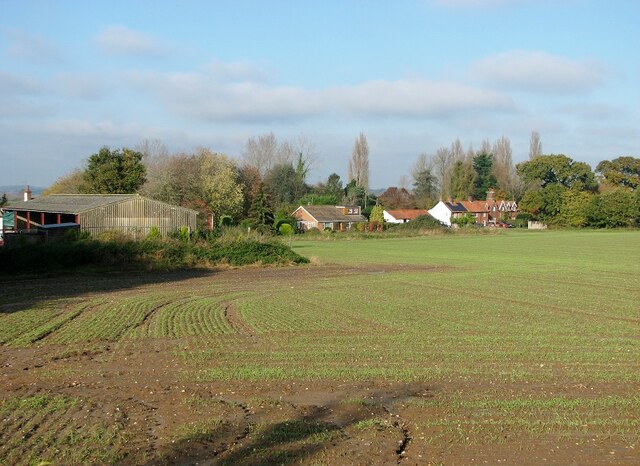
<point x="148" y="254"/>
<point x="154" y="233"/>
<point x="114" y="236"/>
<point x="312" y="231"/>
<point x="77" y="235"/>
<point x="252" y="252"/>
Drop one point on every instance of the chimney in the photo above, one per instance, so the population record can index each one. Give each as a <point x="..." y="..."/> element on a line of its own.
<point x="27" y="194"/>
<point x="490" y="194"/>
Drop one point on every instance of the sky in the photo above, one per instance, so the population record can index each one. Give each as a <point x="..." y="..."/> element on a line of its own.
<point x="412" y="75"/>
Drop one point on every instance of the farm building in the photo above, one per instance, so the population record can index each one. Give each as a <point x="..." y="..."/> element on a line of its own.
<point x="327" y="217"/>
<point x="95" y="213"/>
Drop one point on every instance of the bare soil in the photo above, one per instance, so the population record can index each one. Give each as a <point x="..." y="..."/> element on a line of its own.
<point x="140" y="385"/>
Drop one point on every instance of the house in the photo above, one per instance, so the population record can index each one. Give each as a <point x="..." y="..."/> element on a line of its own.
<point x="485" y="213"/>
<point x="323" y="217"/>
<point x="403" y="215"/>
<point x="95" y="213"/>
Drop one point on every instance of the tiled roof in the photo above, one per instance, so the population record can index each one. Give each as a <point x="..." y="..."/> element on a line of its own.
<point x="409" y="214"/>
<point x="475" y="206"/>
<point x="328" y="213"/>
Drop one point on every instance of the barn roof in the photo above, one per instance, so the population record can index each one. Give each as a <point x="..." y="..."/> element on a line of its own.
<point x="69" y="203"/>
<point x="72" y="203"/>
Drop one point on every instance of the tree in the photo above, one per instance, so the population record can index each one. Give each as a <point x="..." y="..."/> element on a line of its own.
<point x="354" y="194"/>
<point x="482" y="164"/>
<point x="4" y="201"/>
<point x="333" y="187"/>
<point x="617" y="208"/>
<point x="265" y="152"/>
<point x="249" y="178"/>
<point x="115" y="172"/>
<point x="443" y="162"/>
<point x="574" y="209"/>
<point x="557" y="169"/>
<point x="394" y="198"/>
<point x="535" y="145"/>
<point x="463" y="179"/>
<point x="622" y="172"/>
<point x="282" y="184"/>
<point x="376" y="218"/>
<point x="545" y="203"/>
<point x="503" y="169"/>
<point x="176" y="180"/>
<point x="359" y="163"/>
<point x="425" y="183"/>
<point x="261" y="212"/>
<point x="220" y="187"/>
<point x="72" y="183"/>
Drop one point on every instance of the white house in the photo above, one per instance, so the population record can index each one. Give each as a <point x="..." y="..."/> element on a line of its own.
<point x="443" y="211"/>
<point x="402" y="215"/>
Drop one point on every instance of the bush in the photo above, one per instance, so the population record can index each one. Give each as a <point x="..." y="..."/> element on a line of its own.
<point x="286" y="230"/>
<point x="154" y="233"/>
<point x="149" y="254"/>
<point x="423" y="222"/>
<point x="226" y="221"/>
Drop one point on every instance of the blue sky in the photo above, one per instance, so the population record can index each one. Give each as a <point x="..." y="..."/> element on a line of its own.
<point x="412" y="75"/>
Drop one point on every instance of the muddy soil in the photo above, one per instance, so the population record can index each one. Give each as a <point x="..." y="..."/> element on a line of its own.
<point x="167" y="419"/>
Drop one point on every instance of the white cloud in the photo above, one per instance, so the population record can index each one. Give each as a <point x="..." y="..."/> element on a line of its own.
<point x="33" y="48"/>
<point x="202" y="96"/>
<point x="240" y="71"/>
<point x="13" y="84"/>
<point x="83" y="86"/>
<point x="122" y="41"/>
<point x="538" y="72"/>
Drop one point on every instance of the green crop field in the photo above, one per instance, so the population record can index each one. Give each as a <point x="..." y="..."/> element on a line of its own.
<point x="515" y="345"/>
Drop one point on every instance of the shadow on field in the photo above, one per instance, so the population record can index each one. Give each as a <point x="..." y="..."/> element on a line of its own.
<point x="361" y="428"/>
<point x="25" y="292"/>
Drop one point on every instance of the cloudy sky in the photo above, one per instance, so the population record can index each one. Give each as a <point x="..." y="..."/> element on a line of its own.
<point x="413" y="75"/>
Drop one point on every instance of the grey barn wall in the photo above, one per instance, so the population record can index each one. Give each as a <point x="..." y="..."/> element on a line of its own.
<point x="137" y="216"/>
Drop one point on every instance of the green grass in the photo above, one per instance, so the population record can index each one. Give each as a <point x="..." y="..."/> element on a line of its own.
<point x="43" y="428"/>
<point x="523" y="320"/>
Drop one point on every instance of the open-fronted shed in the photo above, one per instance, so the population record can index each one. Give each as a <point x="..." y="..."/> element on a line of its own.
<point x="95" y="213"/>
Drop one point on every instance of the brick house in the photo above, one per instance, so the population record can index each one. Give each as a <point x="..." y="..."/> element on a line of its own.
<point x="485" y="213"/>
<point x="322" y="217"/>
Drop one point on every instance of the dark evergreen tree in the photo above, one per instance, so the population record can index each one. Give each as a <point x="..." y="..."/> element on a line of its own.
<point x="115" y="172"/>
<point x="261" y="212"/>
<point x="485" y="179"/>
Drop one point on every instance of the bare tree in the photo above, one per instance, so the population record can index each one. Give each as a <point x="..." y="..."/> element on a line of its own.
<point x="503" y="168"/>
<point x="304" y="150"/>
<point x="151" y="149"/>
<point x="457" y="151"/>
<point x="443" y="162"/>
<point x="485" y="147"/>
<point x="535" y="145"/>
<point x="359" y="163"/>
<point x="260" y="152"/>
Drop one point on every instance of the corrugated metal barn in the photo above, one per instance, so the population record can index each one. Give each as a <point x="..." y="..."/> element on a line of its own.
<point x="95" y="213"/>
